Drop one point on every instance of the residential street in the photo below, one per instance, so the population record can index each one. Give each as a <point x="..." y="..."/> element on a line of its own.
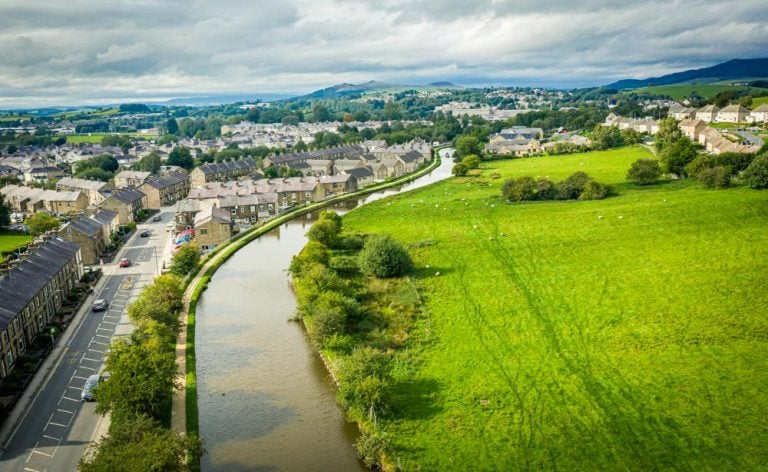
<point x="50" y="427"/>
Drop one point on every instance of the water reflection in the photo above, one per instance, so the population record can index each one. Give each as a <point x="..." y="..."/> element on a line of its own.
<point x="265" y="399"/>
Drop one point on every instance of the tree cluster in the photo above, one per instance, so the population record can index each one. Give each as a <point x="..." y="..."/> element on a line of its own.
<point x="578" y="186"/>
<point x="185" y="260"/>
<point x="719" y="170"/>
<point x="138" y="393"/>
<point x="101" y="167"/>
<point x="644" y="172"/>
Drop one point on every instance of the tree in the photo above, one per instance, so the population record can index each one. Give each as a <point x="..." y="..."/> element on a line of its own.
<point x="5" y="211"/>
<point x="172" y="126"/>
<point x="41" y="222"/>
<point x="185" y="259"/>
<point x="141" y="444"/>
<point x="472" y="161"/>
<point x="644" y="171"/>
<point x="714" y="177"/>
<point x="631" y="136"/>
<point x="313" y="253"/>
<point x="161" y="301"/>
<point x="365" y="377"/>
<point x="150" y="163"/>
<point x="141" y="383"/>
<point x="594" y="190"/>
<point x="382" y="256"/>
<point x="180" y="156"/>
<point x="459" y="169"/>
<point x="669" y="133"/>
<point x="300" y="146"/>
<point x="320" y="113"/>
<point x="757" y="172"/>
<point x="606" y="137"/>
<point x="519" y="190"/>
<point x="392" y="111"/>
<point x="467" y="145"/>
<point x="326" y="229"/>
<point x="675" y="156"/>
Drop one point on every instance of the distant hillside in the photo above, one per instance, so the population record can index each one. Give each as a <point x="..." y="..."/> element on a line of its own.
<point x="343" y="90"/>
<point x="733" y="69"/>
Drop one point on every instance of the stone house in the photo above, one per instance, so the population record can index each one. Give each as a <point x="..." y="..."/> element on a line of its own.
<point x="212" y="228"/>
<point x="733" y="114"/>
<point x="760" y="114"/>
<point x="88" y="234"/>
<point x="109" y="220"/>
<point x="692" y="128"/>
<point x="395" y="167"/>
<point x="363" y="175"/>
<point x="221" y="171"/>
<point x="249" y="208"/>
<point x="165" y="190"/>
<point x="95" y="191"/>
<point x="32" y="291"/>
<point x="708" y="113"/>
<point x="31" y="200"/>
<point x="127" y="203"/>
<point x="131" y="178"/>
<point x="338" y="184"/>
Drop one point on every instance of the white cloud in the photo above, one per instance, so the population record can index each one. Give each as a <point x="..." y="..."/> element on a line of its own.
<point x="96" y="49"/>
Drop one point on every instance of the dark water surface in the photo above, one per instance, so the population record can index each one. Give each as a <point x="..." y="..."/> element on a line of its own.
<point x="265" y="400"/>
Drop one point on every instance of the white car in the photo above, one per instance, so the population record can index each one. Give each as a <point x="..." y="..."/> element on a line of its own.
<point x="90" y="383"/>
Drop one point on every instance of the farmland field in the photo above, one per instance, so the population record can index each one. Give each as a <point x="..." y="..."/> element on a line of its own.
<point x="622" y="334"/>
<point x="679" y="92"/>
<point x="95" y="138"/>
<point x="756" y="102"/>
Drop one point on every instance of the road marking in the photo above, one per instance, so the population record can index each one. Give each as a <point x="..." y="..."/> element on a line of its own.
<point x="65" y="411"/>
<point x="108" y="322"/>
<point x="41" y="452"/>
<point x="92" y="360"/>
<point x="103" y="329"/>
<point x="51" y="437"/>
<point x="58" y="424"/>
<point x="84" y="367"/>
<point x="100" y="343"/>
<point x="30" y="470"/>
<point x="78" y="377"/>
<point x="70" y="399"/>
<point x="102" y="336"/>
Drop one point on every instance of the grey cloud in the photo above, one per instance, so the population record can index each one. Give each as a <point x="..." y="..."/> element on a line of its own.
<point x="96" y="49"/>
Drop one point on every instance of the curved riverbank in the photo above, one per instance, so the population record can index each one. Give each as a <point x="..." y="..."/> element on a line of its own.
<point x="185" y="402"/>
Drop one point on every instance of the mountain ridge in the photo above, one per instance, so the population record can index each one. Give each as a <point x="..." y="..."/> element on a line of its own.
<point x="733" y="69"/>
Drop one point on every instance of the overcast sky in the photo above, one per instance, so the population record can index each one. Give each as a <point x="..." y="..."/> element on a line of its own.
<point x="99" y="51"/>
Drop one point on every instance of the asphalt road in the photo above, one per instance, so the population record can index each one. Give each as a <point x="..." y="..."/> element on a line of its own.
<point x="56" y="429"/>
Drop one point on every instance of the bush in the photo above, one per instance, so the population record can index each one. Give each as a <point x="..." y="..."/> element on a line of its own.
<point x="459" y="169"/>
<point x="594" y="190"/>
<point x="313" y="253"/>
<point x="370" y="447"/>
<point x="644" y="172"/>
<point x="472" y="161"/>
<point x="715" y="177"/>
<point x="382" y="256"/>
<point x="571" y="188"/>
<point x="326" y="229"/>
<point x="185" y="259"/>
<point x="518" y="190"/>
<point x="757" y="172"/>
<point x="326" y="323"/>
<point x="545" y="189"/>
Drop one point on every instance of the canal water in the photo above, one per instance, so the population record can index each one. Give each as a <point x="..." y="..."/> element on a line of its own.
<point x="266" y="402"/>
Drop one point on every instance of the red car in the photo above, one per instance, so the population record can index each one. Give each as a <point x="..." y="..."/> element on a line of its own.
<point x="124" y="262"/>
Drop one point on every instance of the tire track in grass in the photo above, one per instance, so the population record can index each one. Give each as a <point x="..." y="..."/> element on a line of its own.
<point x="616" y="408"/>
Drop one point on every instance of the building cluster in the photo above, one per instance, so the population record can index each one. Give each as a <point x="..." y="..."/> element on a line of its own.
<point x="712" y="114"/>
<point x="32" y="288"/>
<point x="713" y="140"/>
<point x="486" y="112"/>
<point x="641" y="125"/>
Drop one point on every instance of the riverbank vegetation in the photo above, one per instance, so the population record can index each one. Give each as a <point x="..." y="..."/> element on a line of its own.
<point x="619" y="333"/>
<point x="138" y="392"/>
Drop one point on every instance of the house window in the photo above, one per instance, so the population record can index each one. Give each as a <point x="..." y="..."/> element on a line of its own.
<point x="203" y="230"/>
<point x="9" y="359"/>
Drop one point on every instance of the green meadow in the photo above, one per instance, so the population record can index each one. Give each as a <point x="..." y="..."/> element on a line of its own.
<point x="678" y="92"/>
<point x="756" y="102"/>
<point x="621" y="334"/>
<point x="95" y="138"/>
<point x="9" y="242"/>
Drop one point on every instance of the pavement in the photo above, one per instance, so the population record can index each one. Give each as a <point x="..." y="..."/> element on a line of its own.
<point x="79" y="425"/>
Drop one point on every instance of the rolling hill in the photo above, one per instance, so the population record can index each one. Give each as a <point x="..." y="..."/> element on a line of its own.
<point x="733" y="69"/>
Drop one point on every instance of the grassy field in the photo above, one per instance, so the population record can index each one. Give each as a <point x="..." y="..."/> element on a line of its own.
<point x="622" y="334"/>
<point x="95" y="138"/>
<point x="679" y="92"/>
<point x="9" y="242"/>
<point x="756" y="102"/>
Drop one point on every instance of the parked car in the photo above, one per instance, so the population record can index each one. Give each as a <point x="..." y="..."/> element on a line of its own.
<point x="124" y="262"/>
<point x="144" y="233"/>
<point x="156" y="218"/>
<point x="90" y="383"/>
<point x="100" y="305"/>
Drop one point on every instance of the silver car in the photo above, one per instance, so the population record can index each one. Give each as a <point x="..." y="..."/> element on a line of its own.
<point x="90" y="384"/>
<point x="100" y="305"/>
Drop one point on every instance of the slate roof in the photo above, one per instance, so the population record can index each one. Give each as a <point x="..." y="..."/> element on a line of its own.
<point x="105" y="216"/>
<point x="211" y="213"/>
<point x="129" y="195"/>
<point x="165" y="181"/>
<point x="83" y="225"/>
<point x="81" y="183"/>
<point x="245" y="163"/>
<point x="26" y="280"/>
<point x="360" y="172"/>
<point x="411" y="156"/>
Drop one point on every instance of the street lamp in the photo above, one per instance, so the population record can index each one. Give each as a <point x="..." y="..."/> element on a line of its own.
<point x="53" y="342"/>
